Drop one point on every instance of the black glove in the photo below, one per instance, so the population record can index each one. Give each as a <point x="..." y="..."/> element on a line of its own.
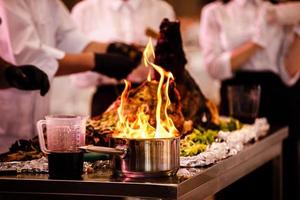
<point x="113" y="65"/>
<point x="27" y="77"/>
<point x="129" y="51"/>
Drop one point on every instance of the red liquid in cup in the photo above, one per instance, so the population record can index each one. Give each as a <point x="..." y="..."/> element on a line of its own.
<point x="65" y="165"/>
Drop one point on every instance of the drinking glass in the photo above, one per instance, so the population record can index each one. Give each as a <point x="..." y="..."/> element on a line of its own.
<point x="243" y="102"/>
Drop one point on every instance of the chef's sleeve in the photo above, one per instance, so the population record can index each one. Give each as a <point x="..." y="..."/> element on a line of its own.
<point x="215" y="58"/>
<point x="69" y="38"/>
<point x="297" y="30"/>
<point x="80" y="16"/>
<point x="286" y="78"/>
<point x="284" y="75"/>
<point x="26" y="45"/>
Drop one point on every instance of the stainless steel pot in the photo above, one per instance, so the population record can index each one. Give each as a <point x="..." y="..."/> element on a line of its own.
<point x="143" y="157"/>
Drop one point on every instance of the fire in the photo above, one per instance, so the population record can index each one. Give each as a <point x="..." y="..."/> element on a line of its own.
<point x="140" y="126"/>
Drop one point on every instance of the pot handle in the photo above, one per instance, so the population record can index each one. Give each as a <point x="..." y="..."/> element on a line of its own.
<point x="99" y="149"/>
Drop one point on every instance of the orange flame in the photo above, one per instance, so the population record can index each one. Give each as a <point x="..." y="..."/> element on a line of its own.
<point x="140" y="127"/>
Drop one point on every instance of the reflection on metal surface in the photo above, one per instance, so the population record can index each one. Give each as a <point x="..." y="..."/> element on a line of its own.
<point x="154" y="157"/>
<point x="148" y="158"/>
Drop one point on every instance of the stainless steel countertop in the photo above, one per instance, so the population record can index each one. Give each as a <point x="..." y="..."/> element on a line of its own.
<point x="207" y="181"/>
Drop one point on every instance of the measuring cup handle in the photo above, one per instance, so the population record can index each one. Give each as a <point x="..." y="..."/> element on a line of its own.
<point x="39" y="126"/>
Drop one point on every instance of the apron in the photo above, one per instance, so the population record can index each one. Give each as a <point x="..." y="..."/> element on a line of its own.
<point x="275" y="95"/>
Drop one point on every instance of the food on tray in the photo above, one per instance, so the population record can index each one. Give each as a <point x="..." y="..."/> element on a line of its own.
<point x="197" y="141"/>
<point x="23" y="150"/>
<point x="144" y="96"/>
<point x="170" y="55"/>
<point x="230" y="124"/>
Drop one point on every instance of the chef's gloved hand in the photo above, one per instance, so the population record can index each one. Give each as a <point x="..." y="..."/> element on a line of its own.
<point x="27" y="77"/>
<point x="119" y="60"/>
<point x="129" y="51"/>
<point x="114" y="65"/>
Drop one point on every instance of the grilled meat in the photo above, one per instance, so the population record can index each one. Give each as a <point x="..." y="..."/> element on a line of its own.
<point x="169" y="54"/>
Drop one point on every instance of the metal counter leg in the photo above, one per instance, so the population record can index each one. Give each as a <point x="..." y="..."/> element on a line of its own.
<point x="277" y="178"/>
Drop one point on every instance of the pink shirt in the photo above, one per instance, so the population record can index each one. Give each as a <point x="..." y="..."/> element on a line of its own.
<point x="5" y="46"/>
<point x="225" y="27"/>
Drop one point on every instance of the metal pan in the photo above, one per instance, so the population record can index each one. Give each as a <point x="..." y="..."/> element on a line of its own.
<point x="143" y="157"/>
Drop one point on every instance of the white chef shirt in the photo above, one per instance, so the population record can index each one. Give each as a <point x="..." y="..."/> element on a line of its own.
<point x="41" y="32"/>
<point x="5" y="46"/>
<point x="225" y="27"/>
<point x="118" y="20"/>
<point x="6" y="54"/>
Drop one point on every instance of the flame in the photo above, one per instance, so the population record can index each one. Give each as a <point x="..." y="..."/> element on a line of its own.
<point x="140" y="126"/>
<point x="147" y="54"/>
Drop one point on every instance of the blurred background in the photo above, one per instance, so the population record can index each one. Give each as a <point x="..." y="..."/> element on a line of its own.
<point x="181" y="7"/>
<point x="189" y="16"/>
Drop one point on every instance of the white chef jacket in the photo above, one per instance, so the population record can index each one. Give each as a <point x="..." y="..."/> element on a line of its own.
<point x="225" y="27"/>
<point x="6" y="54"/>
<point x="118" y="20"/>
<point x="5" y="47"/>
<point x="41" y="32"/>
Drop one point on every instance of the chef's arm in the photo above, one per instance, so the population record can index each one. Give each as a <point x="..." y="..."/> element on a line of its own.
<point x="75" y="63"/>
<point x="220" y="62"/>
<point x="115" y="60"/>
<point x="242" y="54"/>
<point x="292" y="59"/>
<point x="110" y="64"/>
<point x="260" y="39"/>
<point x="95" y="47"/>
<point x="285" y="13"/>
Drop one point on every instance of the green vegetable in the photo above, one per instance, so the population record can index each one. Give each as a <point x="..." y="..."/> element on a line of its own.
<point x="231" y="125"/>
<point x="197" y="141"/>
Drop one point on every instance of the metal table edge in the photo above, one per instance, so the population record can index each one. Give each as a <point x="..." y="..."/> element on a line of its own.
<point x="273" y="139"/>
